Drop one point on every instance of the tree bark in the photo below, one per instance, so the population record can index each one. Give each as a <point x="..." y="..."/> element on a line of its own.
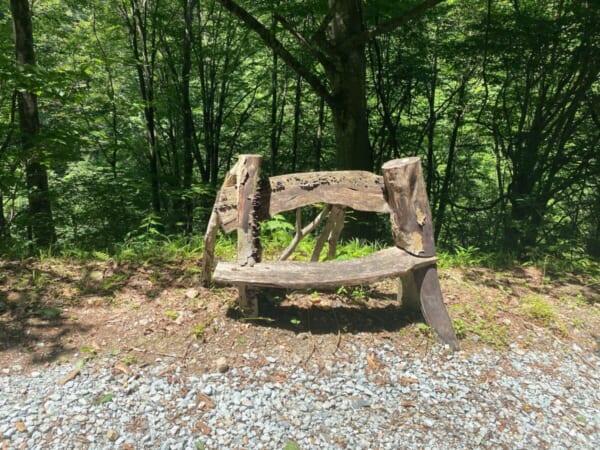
<point x="188" y="120"/>
<point x="3" y="224"/>
<point x="347" y="79"/>
<point x="41" y="222"/>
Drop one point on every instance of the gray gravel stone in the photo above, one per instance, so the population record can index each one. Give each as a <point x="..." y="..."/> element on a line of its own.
<point x="460" y="401"/>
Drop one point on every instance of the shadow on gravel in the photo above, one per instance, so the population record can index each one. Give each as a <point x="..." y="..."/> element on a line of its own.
<point x="332" y="320"/>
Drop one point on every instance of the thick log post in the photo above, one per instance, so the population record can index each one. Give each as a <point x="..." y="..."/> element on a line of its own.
<point x="209" y="248"/>
<point x="248" y="246"/>
<point x="412" y="231"/>
<point x="214" y="223"/>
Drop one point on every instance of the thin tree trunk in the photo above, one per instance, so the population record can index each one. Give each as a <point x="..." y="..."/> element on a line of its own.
<point x="144" y="51"/>
<point x="188" y="120"/>
<point x="445" y="191"/>
<point x="430" y="167"/>
<point x="319" y="136"/>
<point x="3" y="223"/>
<point x="274" y="143"/>
<point x="41" y="222"/>
<point x="297" y="105"/>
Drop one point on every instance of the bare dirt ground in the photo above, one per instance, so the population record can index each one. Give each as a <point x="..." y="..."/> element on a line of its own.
<point x="56" y="311"/>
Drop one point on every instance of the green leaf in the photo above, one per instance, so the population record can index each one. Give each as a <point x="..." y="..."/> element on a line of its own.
<point x="106" y="398"/>
<point x="291" y="445"/>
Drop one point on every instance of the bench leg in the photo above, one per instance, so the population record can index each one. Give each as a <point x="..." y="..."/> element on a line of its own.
<point x="247" y="301"/>
<point x="408" y="294"/>
<point x="432" y="305"/>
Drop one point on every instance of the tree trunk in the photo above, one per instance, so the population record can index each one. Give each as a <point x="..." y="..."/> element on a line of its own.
<point x="143" y="45"/>
<point x="40" y="211"/>
<point x="3" y="223"/>
<point x="297" y="112"/>
<point x="274" y="87"/>
<point x="444" y="197"/>
<point x="340" y="49"/>
<point x="188" y="120"/>
<point x="347" y="78"/>
<point x="319" y="135"/>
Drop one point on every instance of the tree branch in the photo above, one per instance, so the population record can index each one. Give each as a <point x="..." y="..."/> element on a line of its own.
<point x="270" y="40"/>
<point x="301" y="232"/>
<point x="304" y="41"/>
<point x="392" y="24"/>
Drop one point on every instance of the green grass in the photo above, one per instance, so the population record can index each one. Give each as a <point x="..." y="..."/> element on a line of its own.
<point x="480" y="322"/>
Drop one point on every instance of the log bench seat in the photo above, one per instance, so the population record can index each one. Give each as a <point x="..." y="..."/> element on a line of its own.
<point x="244" y="201"/>
<point x="388" y="263"/>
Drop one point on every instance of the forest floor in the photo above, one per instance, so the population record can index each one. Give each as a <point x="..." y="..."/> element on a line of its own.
<point x="57" y="311"/>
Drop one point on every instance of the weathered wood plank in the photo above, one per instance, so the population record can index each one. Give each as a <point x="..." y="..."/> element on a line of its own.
<point x="358" y="190"/>
<point x="247" y="226"/>
<point x="411" y="216"/>
<point x="386" y="263"/>
<point x="363" y="191"/>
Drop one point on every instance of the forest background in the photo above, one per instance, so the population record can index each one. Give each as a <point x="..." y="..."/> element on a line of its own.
<point x="119" y="118"/>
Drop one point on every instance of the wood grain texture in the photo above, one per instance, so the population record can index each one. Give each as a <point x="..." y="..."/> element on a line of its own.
<point x="247" y="227"/>
<point x="432" y="305"/>
<point x="383" y="264"/>
<point x="208" y="256"/>
<point x="412" y="228"/>
<point x="363" y="191"/>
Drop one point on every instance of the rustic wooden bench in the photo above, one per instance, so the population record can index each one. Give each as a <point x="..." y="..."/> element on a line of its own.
<point x="244" y="201"/>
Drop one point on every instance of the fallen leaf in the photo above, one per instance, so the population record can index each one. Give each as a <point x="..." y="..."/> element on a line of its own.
<point x="408" y="380"/>
<point x="202" y="427"/>
<point x="20" y="426"/>
<point x="291" y="445"/>
<point x="372" y="363"/>
<point x="208" y="402"/>
<point x="68" y="377"/>
<point x="121" y="367"/>
<point x="106" y="398"/>
<point x="280" y="377"/>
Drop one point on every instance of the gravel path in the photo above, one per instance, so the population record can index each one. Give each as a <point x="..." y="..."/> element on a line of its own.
<point x="364" y="398"/>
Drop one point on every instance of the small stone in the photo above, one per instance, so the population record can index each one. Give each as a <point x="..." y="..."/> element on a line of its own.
<point x="429" y="423"/>
<point x="222" y="365"/>
<point x="357" y="404"/>
<point x="96" y="275"/>
<point x="191" y="293"/>
<point x="112" y="435"/>
<point x="17" y="368"/>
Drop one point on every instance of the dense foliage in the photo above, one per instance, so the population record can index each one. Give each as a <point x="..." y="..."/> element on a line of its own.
<point x="143" y="105"/>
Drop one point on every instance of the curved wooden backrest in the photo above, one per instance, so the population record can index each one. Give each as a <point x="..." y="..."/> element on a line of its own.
<point x="360" y="190"/>
<point x="400" y="191"/>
